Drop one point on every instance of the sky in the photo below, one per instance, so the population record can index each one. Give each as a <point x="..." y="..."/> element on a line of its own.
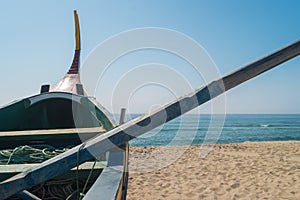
<point x="37" y="46"/>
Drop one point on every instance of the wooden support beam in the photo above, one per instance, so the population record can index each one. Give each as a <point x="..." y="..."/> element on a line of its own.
<point x="120" y="135"/>
<point x="122" y="116"/>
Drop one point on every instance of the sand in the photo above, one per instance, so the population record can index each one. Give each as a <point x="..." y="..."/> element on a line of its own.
<point x="260" y="170"/>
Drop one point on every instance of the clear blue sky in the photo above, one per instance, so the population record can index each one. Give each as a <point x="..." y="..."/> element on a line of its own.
<point x="37" y="42"/>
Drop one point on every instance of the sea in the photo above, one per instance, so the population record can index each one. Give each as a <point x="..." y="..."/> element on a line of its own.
<point x="194" y="129"/>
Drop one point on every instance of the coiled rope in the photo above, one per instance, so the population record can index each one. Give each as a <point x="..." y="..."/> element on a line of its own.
<point x="61" y="189"/>
<point x="28" y="154"/>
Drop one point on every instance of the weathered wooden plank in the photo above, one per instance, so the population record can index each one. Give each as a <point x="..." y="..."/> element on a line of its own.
<point x="107" y="185"/>
<point x="7" y="171"/>
<point x="56" y="137"/>
<point x="54" y="132"/>
<point x="140" y="125"/>
<point x="23" y="167"/>
<point x="262" y="65"/>
<point x="110" y="180"/>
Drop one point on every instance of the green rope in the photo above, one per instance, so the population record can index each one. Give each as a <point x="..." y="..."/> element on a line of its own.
<point x="52" y="189"/>
<point x="28" y="154"/>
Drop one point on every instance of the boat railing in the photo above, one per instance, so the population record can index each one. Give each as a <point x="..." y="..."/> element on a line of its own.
<point x="112" y="182"/>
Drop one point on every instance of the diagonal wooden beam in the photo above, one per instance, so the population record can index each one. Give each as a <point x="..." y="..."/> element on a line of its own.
<point x="143" y="124"/>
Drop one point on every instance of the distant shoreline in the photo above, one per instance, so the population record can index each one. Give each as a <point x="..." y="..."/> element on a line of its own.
<point x="232" y="128"/>
<point x="269" y="141"/>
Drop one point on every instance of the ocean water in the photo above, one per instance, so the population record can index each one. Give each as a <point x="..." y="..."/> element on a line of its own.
<point x="219" y="129"/>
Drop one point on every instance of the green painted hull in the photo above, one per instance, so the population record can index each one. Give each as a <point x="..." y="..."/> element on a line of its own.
<point x="33" y="120"/>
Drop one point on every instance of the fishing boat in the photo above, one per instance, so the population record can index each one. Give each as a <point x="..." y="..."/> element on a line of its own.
<point x="54" y="118"/>
<point x="42" y="126"/>
<point x="55" y="110"/>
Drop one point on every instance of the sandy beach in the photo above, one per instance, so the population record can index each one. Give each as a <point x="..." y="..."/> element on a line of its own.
<point x="249" y="170"/>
